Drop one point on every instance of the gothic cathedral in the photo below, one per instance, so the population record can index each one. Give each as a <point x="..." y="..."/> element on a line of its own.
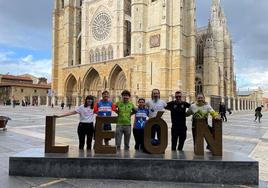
<point x="139" y="45"/>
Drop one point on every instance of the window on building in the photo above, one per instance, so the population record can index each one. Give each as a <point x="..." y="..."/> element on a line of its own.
<point x="97" y="55"/>
<point x="103" y="54"/>
<point x="91" y="56"/>
<point x="110" y="52"/>
<point x="35" y="90"/>
<point x="79" y="51"/>
<point x="62" y="3"/>
<point x="21" y="90"/>
<point x="128" y="38"/>
<point x="198" y="86"/>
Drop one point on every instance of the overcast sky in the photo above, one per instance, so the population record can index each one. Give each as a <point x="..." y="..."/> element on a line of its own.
<point x="26" y="34"/>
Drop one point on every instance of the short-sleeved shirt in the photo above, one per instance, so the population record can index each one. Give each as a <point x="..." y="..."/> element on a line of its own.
<point x="86" y="114"/>
<point x="140" y="118"/>
<point x="178" y="113"/>
<point x="104" y="108"/>
<point x="124" y="111"/>
<point x="154" y="107"/>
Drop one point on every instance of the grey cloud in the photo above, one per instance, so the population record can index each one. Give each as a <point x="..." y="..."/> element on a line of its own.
<point x="26" y="24"/>
<point x="248" y="25"/>
<point x="28" y="13"/>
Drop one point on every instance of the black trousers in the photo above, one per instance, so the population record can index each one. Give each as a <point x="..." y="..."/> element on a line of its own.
<point x="156" y="130"/>
<point x="175" y="134"/>
<point x="223" y="116"/>
<point x="85" y="130"/>
<point x="139" y="138"/>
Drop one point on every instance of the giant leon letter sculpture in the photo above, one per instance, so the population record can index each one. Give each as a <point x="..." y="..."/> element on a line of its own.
<point x="50" y="137"/>
<point x="159" y="149"/>
<point x="213" y="137"/>
<point x="100" y="135"/>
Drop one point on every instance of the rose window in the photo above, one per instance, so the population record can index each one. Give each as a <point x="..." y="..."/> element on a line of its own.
<point x="101" y="26"/>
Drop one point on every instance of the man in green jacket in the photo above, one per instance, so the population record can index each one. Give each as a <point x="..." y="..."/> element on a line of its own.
<point x="124" y="110"/>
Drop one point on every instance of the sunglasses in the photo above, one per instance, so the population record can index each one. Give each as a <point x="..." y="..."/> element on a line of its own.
<point x="177" y="96"/>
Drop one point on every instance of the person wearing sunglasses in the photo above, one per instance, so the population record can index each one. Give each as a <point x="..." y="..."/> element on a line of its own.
<point x="178" y="119"/>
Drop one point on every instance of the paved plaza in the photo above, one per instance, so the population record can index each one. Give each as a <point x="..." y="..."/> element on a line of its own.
<point x="26" y="130"/>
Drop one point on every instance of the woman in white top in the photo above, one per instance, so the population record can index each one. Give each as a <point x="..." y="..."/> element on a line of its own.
<point x="85" y="127"/>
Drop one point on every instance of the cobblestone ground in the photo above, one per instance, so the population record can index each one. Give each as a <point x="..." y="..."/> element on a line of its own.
<point x="26" y="130"/>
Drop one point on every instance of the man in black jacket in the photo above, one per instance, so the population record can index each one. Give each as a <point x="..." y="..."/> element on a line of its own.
<point x="258" y="113"/>
<point x="178" y="119"/>
<point x="222" y="110"/>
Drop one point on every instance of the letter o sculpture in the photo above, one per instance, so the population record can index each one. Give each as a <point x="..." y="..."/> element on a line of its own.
<point x="159" y="149"/>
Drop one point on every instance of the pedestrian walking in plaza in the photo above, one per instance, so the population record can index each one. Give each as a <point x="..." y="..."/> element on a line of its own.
<point x="62" y="105"/>
<point x="69" y="106"/>
<point x="141" y="115"/>
<point x="200" y="110"/>
<point x="124" y="110"/>
<point x="14" y="103"/>
<point x="85" y="127"/>
<point x="178" y="120"/>
<point x="104" y="108"/>
<point x="258" y="114"/>
<point x="222" y="111"/>
<point x="155" y="105"/>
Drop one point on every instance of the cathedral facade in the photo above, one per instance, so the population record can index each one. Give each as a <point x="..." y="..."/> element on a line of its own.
<point x="139" y="45"/>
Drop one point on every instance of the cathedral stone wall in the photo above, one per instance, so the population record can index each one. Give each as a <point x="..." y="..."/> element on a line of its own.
<point x="137" y="45"/>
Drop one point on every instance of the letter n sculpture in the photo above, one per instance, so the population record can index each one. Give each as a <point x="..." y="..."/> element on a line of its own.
<point x="213" y="136"/>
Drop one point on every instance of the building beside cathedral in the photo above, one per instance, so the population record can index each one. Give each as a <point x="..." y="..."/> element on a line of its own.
<point x="23" y="89"/>
<point x="140" y="45"/>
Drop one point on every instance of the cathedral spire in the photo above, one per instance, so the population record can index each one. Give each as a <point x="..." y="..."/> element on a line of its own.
<point x="215" y="10"/>
<point x="210" y="31"/>
<point x="216" y="3"/>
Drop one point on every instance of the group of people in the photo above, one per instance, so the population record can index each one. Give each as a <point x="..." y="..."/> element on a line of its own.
<point x="222" y="111"/>
<point x="125" y="109"/>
